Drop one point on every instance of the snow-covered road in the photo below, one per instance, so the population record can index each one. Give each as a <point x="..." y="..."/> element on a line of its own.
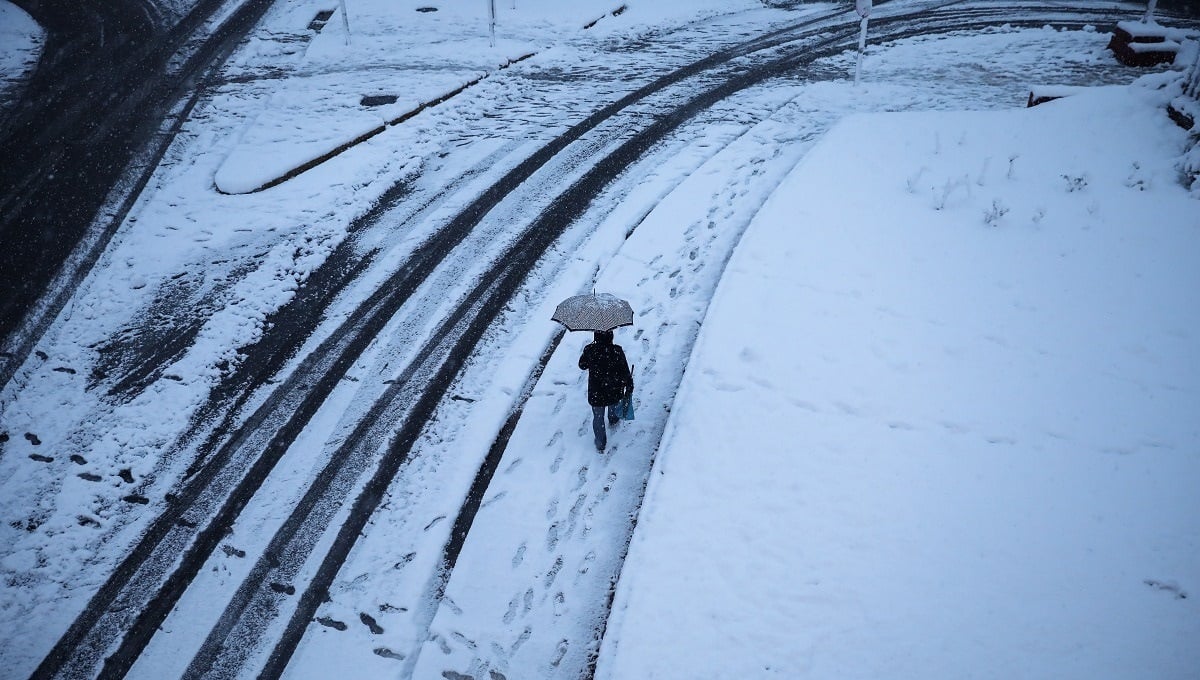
<point x="355" y="340"/>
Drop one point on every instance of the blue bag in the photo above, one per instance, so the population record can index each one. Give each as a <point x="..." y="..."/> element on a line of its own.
<point x="625" y="408"/>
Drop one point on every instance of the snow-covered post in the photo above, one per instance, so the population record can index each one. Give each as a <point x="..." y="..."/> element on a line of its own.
<point x="864" y="10"/>
<point x="345" y="21"/>
<point x="1149" y="18"/>
<point x="492" y="20"/>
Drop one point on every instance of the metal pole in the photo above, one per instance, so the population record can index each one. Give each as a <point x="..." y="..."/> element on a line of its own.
<point x="863" y="7"/>
<point x="345" y="21"/>
<point x="492" y="18"/>
<point x="862" y="46"/>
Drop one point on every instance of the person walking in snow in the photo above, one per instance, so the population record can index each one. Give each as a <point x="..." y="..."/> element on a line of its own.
<point x="609" y="381"/>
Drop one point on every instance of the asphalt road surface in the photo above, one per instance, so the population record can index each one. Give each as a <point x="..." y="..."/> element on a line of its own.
<point x="96" y="100"/>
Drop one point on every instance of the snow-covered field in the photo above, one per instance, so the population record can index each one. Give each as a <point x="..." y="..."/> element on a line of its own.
<point x="943" y="425"/>
<point x="938" y="416"/>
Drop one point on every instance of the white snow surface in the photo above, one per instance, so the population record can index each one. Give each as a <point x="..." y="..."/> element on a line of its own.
<point x="22" y="40"/>
<point x="319" y="110"/>
<point x="941" y="418"/>
<point x="1154" y="30"/>
<point x="951" y="345"/>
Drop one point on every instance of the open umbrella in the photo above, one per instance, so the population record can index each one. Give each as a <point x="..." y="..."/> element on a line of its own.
<point x="593" y="312"/>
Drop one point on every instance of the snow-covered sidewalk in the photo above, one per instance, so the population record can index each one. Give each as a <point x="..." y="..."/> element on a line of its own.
<point x="944" y="425"/>
<point x="23" y="39"/>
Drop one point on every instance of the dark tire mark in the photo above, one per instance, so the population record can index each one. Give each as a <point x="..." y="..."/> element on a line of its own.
<point x="137" y="355"/>
<point x="330" y="362"/>
<point x="290" y="326"/>
<point x="94" y="104"/>
<point x="300" y="396"/>
<point x="525" y="252"/>
<point x="499" y="285"/>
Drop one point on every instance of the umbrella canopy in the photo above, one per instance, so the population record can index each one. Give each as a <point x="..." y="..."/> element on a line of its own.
<point x="594" y="312"/>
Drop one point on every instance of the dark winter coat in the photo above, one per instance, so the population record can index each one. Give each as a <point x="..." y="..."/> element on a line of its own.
<point x="609" y="379"/>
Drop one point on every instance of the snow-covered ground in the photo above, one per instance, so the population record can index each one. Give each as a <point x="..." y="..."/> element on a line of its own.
<point x="22" y="40"/>
<point x="941" y="418"/>
<point x="883" y="380"/>
<point x="354" y="83"/>
<point x="74" y="451"/>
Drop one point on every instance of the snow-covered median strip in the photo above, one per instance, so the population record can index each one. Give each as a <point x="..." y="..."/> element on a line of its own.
<point x="297" y="132"/>
<point x="944" y="427"/>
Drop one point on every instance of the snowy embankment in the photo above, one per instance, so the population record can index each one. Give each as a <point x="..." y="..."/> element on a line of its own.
<point x="945" y="427"/>
<point x="22" y="39"/>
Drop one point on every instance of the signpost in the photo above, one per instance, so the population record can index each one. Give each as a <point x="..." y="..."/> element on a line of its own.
<point x="492" y="19"/>
<point x="345" y="21"/>
<point x="863" y="7"/>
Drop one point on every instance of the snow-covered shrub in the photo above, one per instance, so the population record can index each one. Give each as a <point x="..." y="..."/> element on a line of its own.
<point x="1190" y="166"/>
<point x="1188" y="104"/>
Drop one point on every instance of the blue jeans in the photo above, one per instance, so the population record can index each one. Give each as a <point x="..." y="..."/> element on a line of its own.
<point x="598" y="424"/>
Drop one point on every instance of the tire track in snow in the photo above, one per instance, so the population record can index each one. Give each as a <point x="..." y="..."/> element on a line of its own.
<point x="93" y="144"/>
<point x="468" y="322"/>
<point x="449" y="638"/>
<point x="591" y="501"/>
<point x="154" y="575"/>
<point x="241" y="621"/>
<point x="571" y="201"/>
